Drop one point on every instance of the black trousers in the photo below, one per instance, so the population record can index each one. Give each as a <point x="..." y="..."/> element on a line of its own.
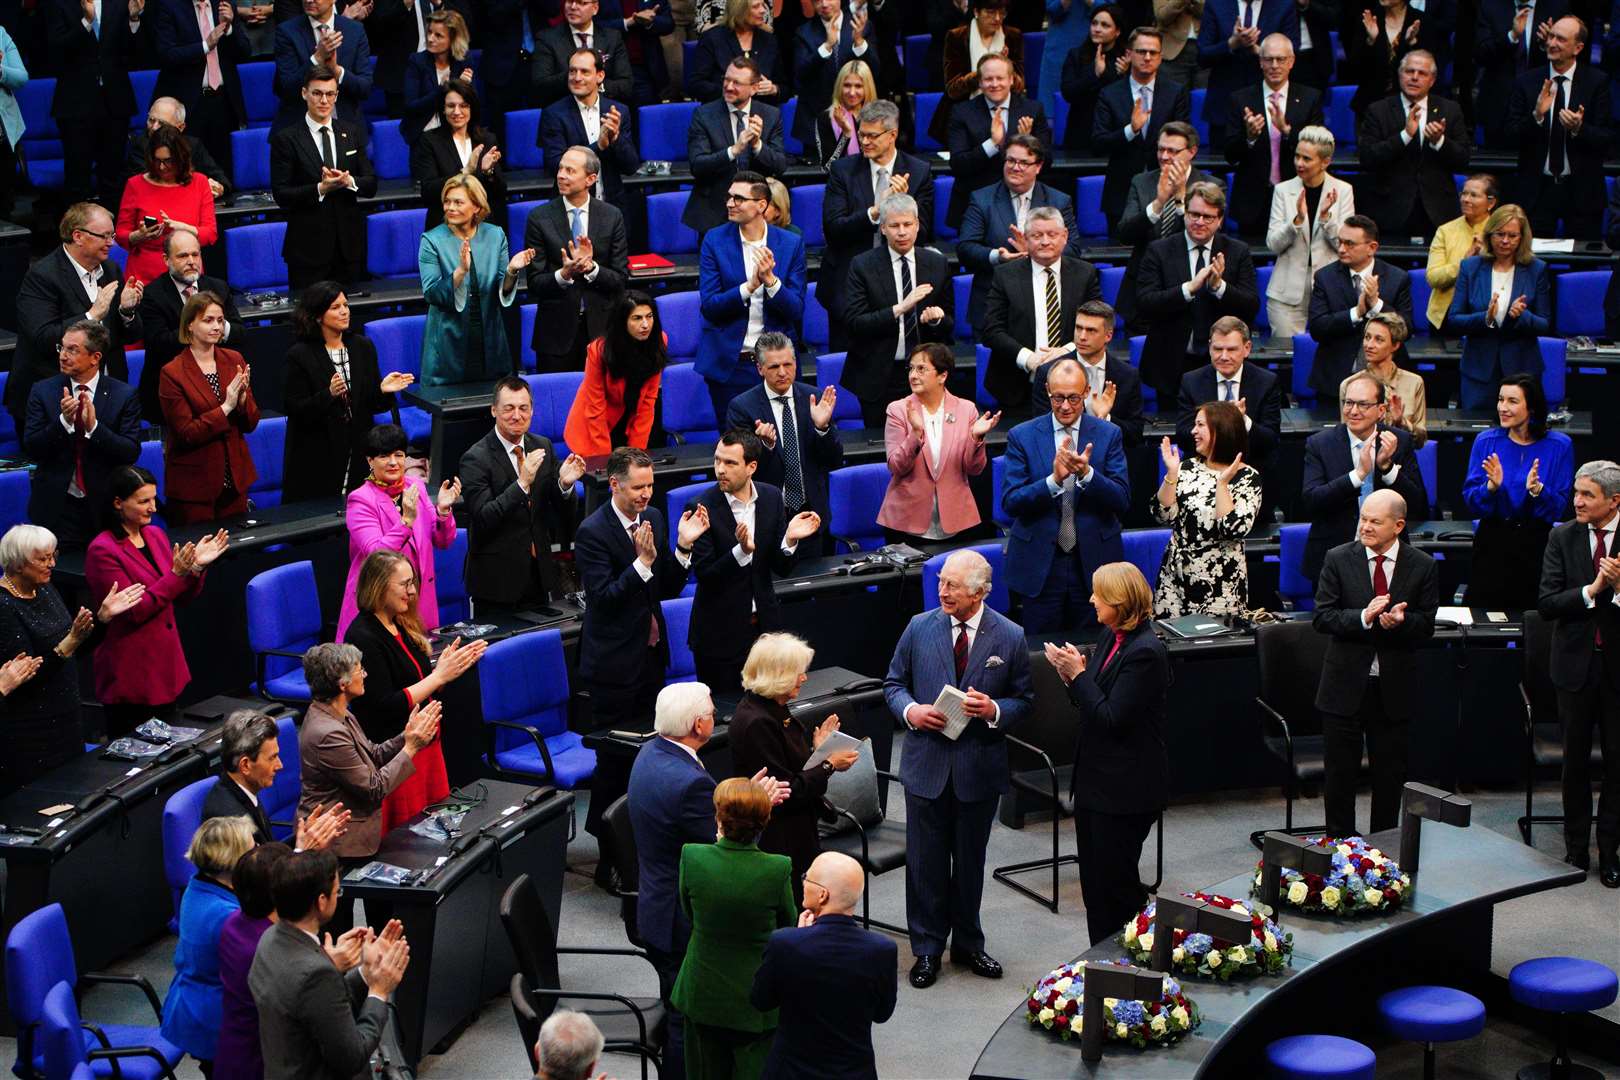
<point x="723" y="674"/>
<point x="94" y="142"/>
<point x="626" y="702"/>
<point x="1110" y="847"/>
<point x="945" y="841"/>
<point x="212" y="122"/>
<point x="668" y="966"/>
<point x="874" y="414"/>
<point x="1386" y="739"/>
<point x="1594" y="709"/>
<point x="1552" y="202"/>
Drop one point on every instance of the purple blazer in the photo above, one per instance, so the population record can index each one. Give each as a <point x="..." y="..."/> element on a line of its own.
<point x="915" y="478"/>
<point x="375" y="523"/>
<point x="237" y="1055"/>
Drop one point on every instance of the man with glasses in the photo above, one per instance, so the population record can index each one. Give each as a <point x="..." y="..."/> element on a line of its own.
<point x="1351" y="460"/>
<point x="1155" y="205"/>
<point x="166" y="110"/>
<point x="580" y="30"/>
<point x="1130" y="114"/>
<point x="1343" y="294"/>
<point x="322" y="38"/>
<point x="76" y="281"/>
<point x="735" y="134"/>
<point x="1411" y="145"/>
<point x="1231" y="34"/>
<point x="979" y="128"/>
<point x="1262" y="126"/>
<point x="856" y="186"/>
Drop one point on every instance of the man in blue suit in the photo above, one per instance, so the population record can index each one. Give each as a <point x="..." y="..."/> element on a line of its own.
<point x="586" y="118"/>
<point x="831" y="980"/>
<point x="320" y="38"/>
<point x="992" y="229"/>
<point x="1130" y="112"/>
<point x="796" y="427"/>
<point x="751" y="279"/>
<point x="1343" y="295"/>
<point x="81" y="426"/>
<point x="1066" y="486"/>
<point x="199" y="71"/>
<point x="727" y="137"/>
<point x="1229" y="39"/>
<point x="953" y="783"/>
<point x="821" y="48"/>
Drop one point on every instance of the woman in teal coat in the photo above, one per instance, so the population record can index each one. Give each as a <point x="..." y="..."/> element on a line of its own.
<point x="735" y="896"/>
<point x="467" y="279"/>
<point x="13" y="77"/>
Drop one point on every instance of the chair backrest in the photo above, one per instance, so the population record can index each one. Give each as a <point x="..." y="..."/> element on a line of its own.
<point x="61" y="1031"/>
<point x="250" y="159"/>
<point x="623" y="835"/>
<point x="1034" y="49"/>
<point x="523" y="1007"/>
<point x="39" y="954"/>
<point x="1579" y="302"/>
<point x="790" y="143"/>
<point x="1341" y="121"/>
<point x="398" y="341"/>
<point x="393" y="239"/>
<point x="151" y="460"/>
<point x="663" y="131"/>
<point x="254" y="254"/>
<point x="1290" y="656"/>
<point x="1111" y="279"/>
<point x="14" y="491"/>
<point x="1291" y="580"/>
<point x="283" y="612"/>
<point x="1304" y="359"/>
<point x="847" y="408"/>
<point x="688" y="410"/>
<point x="1144" y="549"/>
<point x="258" y="91"/>
<point x="815" y="320"/>
<point x="1060" y="118"/>
<point x="1428" y="460"/>
<point x="998" y="478"/>
<point x="390" y="155"/>
<point x="943" y="186"/>
<point x="923" y="107"/>
<point x="667" y="234"/>
<point x="676" y="498"/>
<point x="805" y="200"/>
<point x="181" y="816"/>
<point x="280" y="799"/>
<point x="918" y="77"/>
<point x="1418" y="280"/>
<point x="521" y="148"/>
<point x="10" y="441"/>
<point x="449" y="564"/>
<point x="681" y="315"/>
<point x="855" y="493"/>
<point x="1000" y="597"/>
<point x="1198" y="121"/>
<point x="532" y="932"/>
<point x="962" y="296"/>
<point x="135" y="360"/>
<point x="143" y="82"/>
<point x="524" y="680"/>
<point x="553" y="393"/>
<point x="267" y="443"/>
<point x="677" y="624"/>
<point x="517" y="220"/>
<point x="1088" y="212"/>
<point x="1554" y="368"/>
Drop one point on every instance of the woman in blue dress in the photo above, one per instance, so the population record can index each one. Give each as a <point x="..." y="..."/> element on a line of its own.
<point x="467" y="279"/>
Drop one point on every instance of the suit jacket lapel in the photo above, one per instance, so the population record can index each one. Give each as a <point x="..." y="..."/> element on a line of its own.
<point x="979" y="653"/>
<point x="947" y="643"/>
<point x="1398" y="580"/>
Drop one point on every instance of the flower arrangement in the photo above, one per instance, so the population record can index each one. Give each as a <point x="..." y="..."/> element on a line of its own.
<point x="1363" y="880"/>
<point x="1266" y="953"/>
<point x="1055" y="1003"/>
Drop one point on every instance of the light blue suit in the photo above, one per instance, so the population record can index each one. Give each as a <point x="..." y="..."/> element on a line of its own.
<point x="13" y="75"/>
<point x="1490" y="352"/>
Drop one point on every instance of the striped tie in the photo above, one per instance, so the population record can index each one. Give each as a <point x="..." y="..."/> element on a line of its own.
<point x="1054" y="320"/>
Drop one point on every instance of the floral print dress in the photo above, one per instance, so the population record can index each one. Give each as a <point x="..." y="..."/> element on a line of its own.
<point x="1204" y="570"/>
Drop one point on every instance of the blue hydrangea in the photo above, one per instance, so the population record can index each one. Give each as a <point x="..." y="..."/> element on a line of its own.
<point x="1129" y="1013"/>
<point x="1197" y="944"/>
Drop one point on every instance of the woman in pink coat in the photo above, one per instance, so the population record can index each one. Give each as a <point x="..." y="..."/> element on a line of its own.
<point x="391" y="510"/>
<point x="935" y="441"/>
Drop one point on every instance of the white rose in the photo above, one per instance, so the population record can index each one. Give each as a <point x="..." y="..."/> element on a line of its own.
<point x="1214" y="958"/>
<point x="1297" y="892"/>
<point x="1330" y="897"/>
<point x="1374" y="897"/>
<point x="1260" y="877"/>
<point x="1146" y="941"/>
<point x="1109" y="1003"/>
<point x="1158" y="1025"/>
<point x="1239" y="909"/>
<point x="1236" y="954"/>
<point x="1394" y="887"/>
<point x="1179" y="955"/>
<point x="1121" y="1030"/>
<point x="1344" y="849"/>
<point x="1063" y="984"/>
<point x="1130" y="932"/>
<point x="1180" y="1016"/>
<point x="1045" y="1016"/>
<point x="1377" y="859"/>
<point x="1271" y="942"/>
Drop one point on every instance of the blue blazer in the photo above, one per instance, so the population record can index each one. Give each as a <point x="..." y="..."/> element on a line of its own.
<point x="13" y="75"/>
<point x="1338" y="340"/>
<point x="975" y="765"/>
<point x="707" y="137"/>
<point x="192" y="1013"/>
<point x="1230" y="72"/>
<point x="1513" y="344"/>
<point x="984" y="229"/>
<point x="295" y="44"/>
<point x="831" y="982"/>
<point x="671" y="804"/>
<point x="561" y="128"/>
<point x="819" y="451"/>
<point x="421" y="90"/>
<point x="1034" y="510"/>
<point x="721" y="272"/>
<point x="815" y="74"/>
<point x="116" y="441"/>
<point x="619" y="602"/>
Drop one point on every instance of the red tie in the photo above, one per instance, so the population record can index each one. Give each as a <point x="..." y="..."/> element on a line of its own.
<point x="652" y="621"/>
<point x="80" y="439"/>
<point x="1597" y="565"/>
<point x="961" y="650"/>
<point x="1380" y="582"/>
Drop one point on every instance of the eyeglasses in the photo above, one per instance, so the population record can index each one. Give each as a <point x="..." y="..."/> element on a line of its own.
<point x="72" y="350"/>
<point x="733" y="197"/>
<point x="163" y="162"/>
<point x="1020" y="164"/>
<point x="808" y="880"/>
<point x="1198" y="215"/>
<point x="1351" y="405"/>
<point x="1068" y="399"/>
<point x="107" y="236"/>
<point x="873" y="136"/>
<point x="322" y="95"/>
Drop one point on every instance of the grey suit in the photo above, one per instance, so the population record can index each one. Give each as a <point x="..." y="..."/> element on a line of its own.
<point x="314" y="1023"/>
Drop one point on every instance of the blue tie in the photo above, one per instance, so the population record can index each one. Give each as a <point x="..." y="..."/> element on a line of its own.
<point x="528" y="33"/>
<point x="578" y="214"/>
<point x="1366" y="484"/>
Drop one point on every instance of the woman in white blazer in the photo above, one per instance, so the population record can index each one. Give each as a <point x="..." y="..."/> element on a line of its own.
<point x="1306" y="213"/>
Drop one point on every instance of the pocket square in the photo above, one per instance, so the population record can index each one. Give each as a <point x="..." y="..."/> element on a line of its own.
<point x="350" y="153"/>
<point x="994" y="661"/>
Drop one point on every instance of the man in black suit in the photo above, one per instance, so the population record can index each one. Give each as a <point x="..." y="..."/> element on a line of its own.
<point x="980" y="127"/>
<point x="1155" y="205"/>
<point x="1580" y="576"/>
<point x="795" y="427"/>
<point x="197" y="67"/>
<point x="849" y="209"/>
<point x="899" y="296"/>
<point x="726" y="137"/>
<point x="1113" y="388"/>
<point x="250" y="755"/>
<point x="520" y="501"/>
<point x="571" y="285"/>
<point x="320" y="37"/>
<point x="1318" y="22"/>
<point x="1509" y="39"/>
<point x="81" y="426"/>
<point x="76" y="282"/>
<point x="166" y="110"/>
<point x="1230" y="377"/>
<point x="1559" y="117"/>
<point x="1377" y="597"/>
<point x="580" y="30"/>
<point x="319" y="172"/>
<point x="93" y="47"/>
<point x="509" y="31"/>
<point x="1411" y="144"/>
<point x="1348" y="462"/>
<point x="750" y="538"/>
<point x="1187" y="282"/>
<point x="588" y="118"/>
<point x="1343" y="294"/>
<point x="1263" y="123"/>
<point x="1029" y="315"/>
<point x="1130" y="113"/>
<point x="821" y="47"/>
<point x="161" y="304"/>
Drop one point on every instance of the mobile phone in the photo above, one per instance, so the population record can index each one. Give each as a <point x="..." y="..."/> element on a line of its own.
<point x="148" y="220"/>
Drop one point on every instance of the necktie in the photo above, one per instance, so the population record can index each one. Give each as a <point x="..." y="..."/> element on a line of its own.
<point x="80" y="439"/>
<point x="517" y="458"/>
<point x="213" y="79"/>
<point x="1597" y="567"/>
<point x="792" y="468"/>
<point x="188" y="291"/>
<point x="1555" y="153"/>
<point x="1021" y="209"/>
<point x="1147" y="100"/>
<point x="1226" y="390"/>
<point x="909" y="320"/>
<point x="328" y="158"/>
<point x="1054" y="314"/>
<point x="1170" y="218"/>
<point x="1380" y="582"/>
<point x="1199" y="324"/>
<point x="961" y="650"/>
<point x="1417" y="143"/>
<point x="1065" y="536"/>
<point x="1276" y="141"/>
<point x="1248" y="13"/>
<point x="583" y="43"/>
<point x="880" y="188"/>
<point x="1094" y="379"/>
<point x="1355" y="284"/>
<point x="1528" y="36"/>
<point x="739" y="120"/>
<point x="1367" y="482"/>
<point x="576" y="217"/>
<point x="652" y="618"/>
<point x="528" y="33"/>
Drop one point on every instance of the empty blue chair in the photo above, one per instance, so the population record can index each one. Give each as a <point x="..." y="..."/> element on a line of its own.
<point x="10" y="438"/>
<point x="258" y="91"/>
<point x="1111" y="279"/>
<point x="1088" y="211"/>
<point x="553" y="393"/>
<point x="1060" y="118"/>
<point x="924" y="106"/>
<point x="981" y="364"/>
<point x="41" y="144"/>
<point x="663" y="131"/>
<point x="254" y="254"/>
<point x="151" y="460"/>
<point x="1136" y="345"/>
<point x="527" y="361"/>
<point x="675" y="501"/>
<point x="847" y="407"/>
<point x="375" y="107"/>
<point x="280" y="799"/>
<point x="267" y="443"/>
<point x="1198" y="121"/>
<point x="393" y="239"/>
<point x="805" y="201"/>
<point x="390" y="156"/>
<point x="1340" y="120"/>
<point x="666" y="233"/>
<point x="181" y="816"/>
<point x="1262" y="276"/>
<point x="1429" y="1015"/>
<point x="399" y="348"/>
<point x="1297" y="589"/>
<point x="67" y="1045"/>
<point x="521" y="150"/>
<point x="1419" y="281"/>
<point x="790" y="109"/>
<point x="943" y="186"/>
<point x="1562" y="985"/>
<point x="1144" y="549"/>
<point x="1579" y="302"/>
<point x="143" y="82"/>
<point x="250" y="159"/>
<point x="524" y="681"/>
<point x="119" y="255"/>
<point x="998" y="479"/>
<point x="1000" y="597"/>
<point x="1554" y="368"/>
<point x="855" y="494"/>
<point x="687" y="407"/>
<point x="1034" y="46"/>
<point x="918" y="77"/>
<point x="135" y="360"/>
<point x="815" y="319"/>
<point x="677" y="622"/>
<point x="1319" y="1057"/>
<point x="449" y="566"/>
<point x="1428" y="460"/>
<point x="283" y="620"/>
<point x="1304" y="359"/>
<point x="961" y="295"/>
<point x="681" y="316"/>
<point x="517" y="220"/>
<point x="14" y="488"/>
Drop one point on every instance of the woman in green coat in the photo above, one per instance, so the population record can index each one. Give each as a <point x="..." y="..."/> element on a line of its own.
<point x="735" y="896"/>
<point x="466" y="280"/>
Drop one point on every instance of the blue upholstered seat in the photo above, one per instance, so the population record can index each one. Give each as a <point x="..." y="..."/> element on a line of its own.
<point x="1316" y="1057"/>
<point x="1431" y="1014"/>
<point x="1562" y="984"/>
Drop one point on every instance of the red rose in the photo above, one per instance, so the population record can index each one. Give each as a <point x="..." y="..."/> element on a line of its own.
<point x="1034" y="1006"/>
<point x="1152" y="1008"/>
<point x="1060" y="1021"/>
<point x="1072" y="1007"/>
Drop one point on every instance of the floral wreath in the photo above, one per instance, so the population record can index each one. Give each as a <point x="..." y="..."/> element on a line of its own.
<point x="1055" y="1004"/>
<point x="1198" y="955"/>
<point x="1363" y="880"/>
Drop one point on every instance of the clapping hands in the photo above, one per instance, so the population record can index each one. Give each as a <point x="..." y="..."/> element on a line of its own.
<point x="1066" y="660"/>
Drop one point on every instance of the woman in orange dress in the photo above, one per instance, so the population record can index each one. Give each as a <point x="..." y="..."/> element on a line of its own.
<point x="617" y="403"/>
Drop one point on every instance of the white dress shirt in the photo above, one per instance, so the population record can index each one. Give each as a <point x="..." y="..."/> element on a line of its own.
<point x="1356" y="477"/>
<point x="1071" y="482"/>
<point x="1358" y="281"/>
<point x="90" y="280"/>
<point x="314" y="126"/>
<point x="1151" y="86"/>
<point x="1005" y="108"/>
<point x="1423" y="121"/>
<point x="743" y="512"/>
<point x="585" y="225"/>
<point x="756" y="299"/>
<point x="1501" y="286"/>
<point x="591" y="116"/>
<point x="878" y="188"/>
<point x="1192" y="267"/>
<point x="910" y="258"/>
<point x="1037" y="283"/>
<point x="315" y="30"/>
<point x="1389" y="579"/>
<point x="1096" y="374"/>
<point x="1237" y="392"/>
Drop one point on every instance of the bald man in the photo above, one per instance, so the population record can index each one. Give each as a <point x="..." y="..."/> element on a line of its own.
<point x="1377" y="597"/>
<point x="831" y="980"/>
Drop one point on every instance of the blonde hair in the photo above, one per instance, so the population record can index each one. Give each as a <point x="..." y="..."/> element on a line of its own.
<point x="456" y="27"/>
<point x="219" y="842"/>
<point x="775" y="663"/>
<point x="1500" y="217"/>
<point x="782" y="202"/>
<point x="858" y="68"/>
<point x="375" y="574"/>
<point x="737" y="12"/>
<point x="1121" y="585"/>
<point x="475" y="191"/>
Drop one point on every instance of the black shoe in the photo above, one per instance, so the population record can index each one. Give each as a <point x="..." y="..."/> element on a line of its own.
<point x="1610" y="876"/>
<point x="1580" y="860"/>
<point x="607" y="878"/>
<point x="980" y="963"/>
<point x="924" y="972"/>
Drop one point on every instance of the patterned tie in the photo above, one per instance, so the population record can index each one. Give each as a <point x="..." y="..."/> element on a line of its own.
<point x="583" y="43"/>
<point x="1380" y="582"/>
<point x="653" y="636"/>
<point x="909" y="320"/>
<point x="1170" y="218"/>
<point x="188" y="291"/>
<point x="1597" y="568"/>
<point x="1066" y="536"/>
<point x="204" y="27"/>
<point x="1054" y="314"/>
<point x="792" y="467"/>
<point x="1276" y="140"/>
<point x="961" y="650"/>
<point x="1147" y="101"/>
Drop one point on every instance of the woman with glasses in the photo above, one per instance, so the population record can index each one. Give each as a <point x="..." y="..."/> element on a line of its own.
<point x="1406" y="398"/>
<point x="1210" y="504"/>
<point x="1502" y="306"/>
<point x="168" y="197"/>
<point x="458" y="145"/>
<point x="1456" y="240"/>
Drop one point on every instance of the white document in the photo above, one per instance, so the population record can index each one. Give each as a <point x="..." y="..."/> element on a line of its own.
<point x="1551" y="246"/>
<point x="831" y="745"/>
<point x="1460" y="615"/>
<point x="951" y="704"/>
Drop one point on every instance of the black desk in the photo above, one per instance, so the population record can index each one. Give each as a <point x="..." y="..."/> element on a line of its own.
<point x="460" y="413"/>
<point x="1339" y="967"/>
<point x="460" y="954"/>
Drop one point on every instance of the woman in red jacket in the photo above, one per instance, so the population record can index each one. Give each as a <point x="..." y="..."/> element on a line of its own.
<point x="208" y="407"/>
<point x="140" y="668"/>
<point x="617" y="403"/>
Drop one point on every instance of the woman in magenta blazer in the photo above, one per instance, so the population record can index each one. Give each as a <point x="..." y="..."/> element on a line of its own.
<point x="392" y="510"/>
<point x="208" y="409"/>
<point x="140" y="668"/>
<point x="935" y="441"/>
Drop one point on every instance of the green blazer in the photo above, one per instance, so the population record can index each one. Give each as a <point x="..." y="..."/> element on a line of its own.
<point x="735" y="895"/>
<point x="445" y="337"/>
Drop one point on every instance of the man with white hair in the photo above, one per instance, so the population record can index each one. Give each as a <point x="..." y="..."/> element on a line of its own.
<point x="568" y="1048"/>
<point x="953" y="781"/>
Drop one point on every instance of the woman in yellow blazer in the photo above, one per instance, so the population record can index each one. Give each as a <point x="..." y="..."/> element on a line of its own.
<point x="735" y="895"/>
<point x="1456" y="240"/>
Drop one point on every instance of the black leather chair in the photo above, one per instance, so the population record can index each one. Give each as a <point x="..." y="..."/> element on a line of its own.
<point x="1543" y="731"/>
<point x="617" y="819"/>
<point x="862" y="830"/>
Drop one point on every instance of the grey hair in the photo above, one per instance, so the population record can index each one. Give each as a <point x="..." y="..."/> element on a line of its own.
<point x="23" y="542"/>
<point x="772" y="341"/>
<point x="679" y="707"/>
<point x="570" y="1044"/>
<point x="176" y="104"/>
<point x="1422" y="54"/>
<point x="1318" y="136"/>
<point x="246" y="732"/>
<point x="975" y="569"/>
<point x="593" y="164"/>
<point x="326" y="666"/>
<point x="886" y="113"/>
<point x="1604" y="473"/>
<point x="1287" y="44"/>
<point x="897" y="204"/>
<point x="1044" y="213"/>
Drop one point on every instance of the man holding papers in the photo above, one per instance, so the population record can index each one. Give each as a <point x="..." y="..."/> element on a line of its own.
<point x="952" y="784"/>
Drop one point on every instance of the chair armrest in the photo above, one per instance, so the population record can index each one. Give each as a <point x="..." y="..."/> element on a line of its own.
<point x="1529" y="713"/>
<point x="119" y="979"/>
<point x="283" y="824"/>
<point x="261" y="669"/>
<point x="853" y="546"/>
<point x="534" y="735"/>
<point x="591" y="950"/>
<point x="113" y="1054"/>
<point x="1046" y="762"/>
<point x="676" y="437"/>
<point x="592" y="995"/>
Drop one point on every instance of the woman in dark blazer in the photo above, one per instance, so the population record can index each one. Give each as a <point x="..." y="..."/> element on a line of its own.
<point x="333" y="394"/>
<point x="1084" y="74"/>
<point x="427" y="71"/>
<point x="765" y="736"/>
<point x="1377" y="37"/>
<point x="459" y="144"/>
<point x="1121" y="767"/>
<point x="989" y="35"/>
<point x="1502" y="305"/>
<point x="208" y="409"/>
<point x="744" y="33"/>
